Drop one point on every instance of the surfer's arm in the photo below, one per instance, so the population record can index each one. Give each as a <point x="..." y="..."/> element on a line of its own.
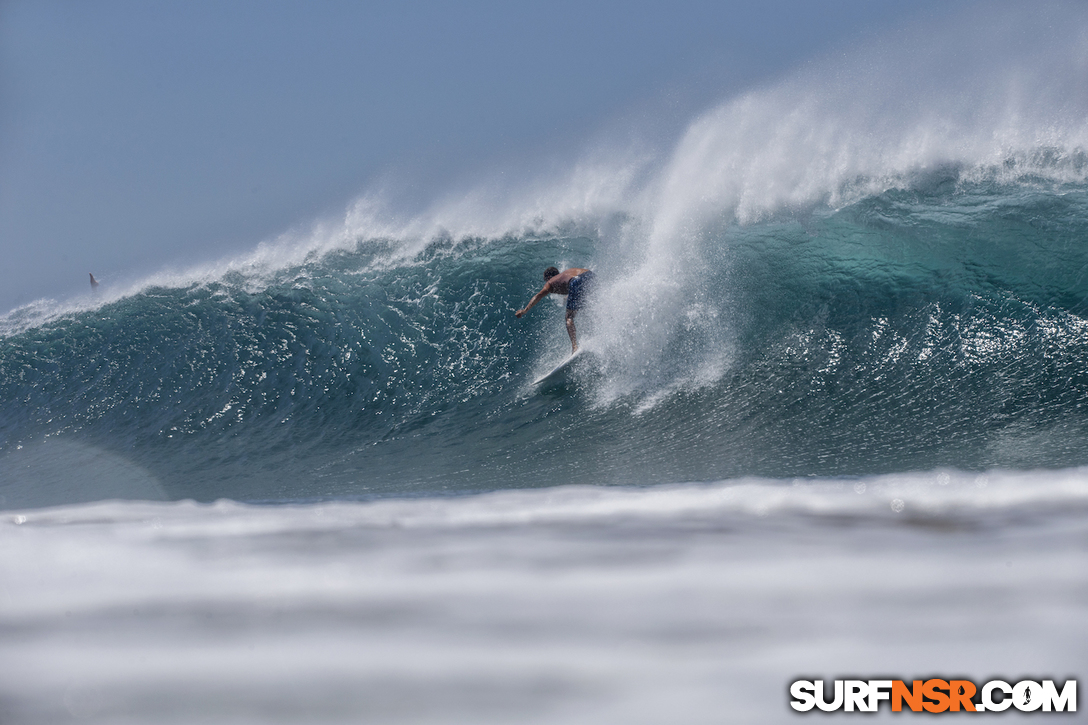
<point x="536" y="298"/>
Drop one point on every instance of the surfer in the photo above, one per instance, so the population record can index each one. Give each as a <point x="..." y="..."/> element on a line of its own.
<point x="575" y="283"/>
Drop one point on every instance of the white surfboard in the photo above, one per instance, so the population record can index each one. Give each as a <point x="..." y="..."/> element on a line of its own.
<point x="557" y="373"/>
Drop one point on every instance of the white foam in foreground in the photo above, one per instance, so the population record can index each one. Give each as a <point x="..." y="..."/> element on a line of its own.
<point x="680" y="604"/>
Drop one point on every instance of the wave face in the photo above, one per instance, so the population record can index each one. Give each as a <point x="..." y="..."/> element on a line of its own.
<point x="831" y="276"/>
<point x="917" y="328"/>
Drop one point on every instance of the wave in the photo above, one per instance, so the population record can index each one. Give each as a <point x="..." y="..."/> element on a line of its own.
<point x="874" y="265"/>
<point x="910" y="330"/>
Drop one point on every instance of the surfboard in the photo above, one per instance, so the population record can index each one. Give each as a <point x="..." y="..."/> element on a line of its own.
<point x="558" y="373"/>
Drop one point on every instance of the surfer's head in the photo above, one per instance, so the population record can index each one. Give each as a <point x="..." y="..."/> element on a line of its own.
<point x="550" y="272"/>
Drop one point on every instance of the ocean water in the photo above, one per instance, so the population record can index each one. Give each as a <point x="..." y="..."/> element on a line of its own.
<point x="836" y="425"/>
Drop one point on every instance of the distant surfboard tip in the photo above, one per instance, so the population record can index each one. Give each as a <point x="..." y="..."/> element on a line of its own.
<point x="94" y="283"/>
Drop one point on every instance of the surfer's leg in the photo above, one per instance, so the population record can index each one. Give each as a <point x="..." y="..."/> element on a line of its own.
<point x="571" y="331"/>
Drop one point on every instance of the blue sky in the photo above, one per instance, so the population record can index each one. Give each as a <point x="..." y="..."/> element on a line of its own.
<point x="137" y="135"/>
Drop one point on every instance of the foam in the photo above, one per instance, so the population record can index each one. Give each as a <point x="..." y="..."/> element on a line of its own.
<point x="940" y="493"/>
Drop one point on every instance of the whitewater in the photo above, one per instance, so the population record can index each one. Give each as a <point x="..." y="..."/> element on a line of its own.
<point x="836" y="426"/>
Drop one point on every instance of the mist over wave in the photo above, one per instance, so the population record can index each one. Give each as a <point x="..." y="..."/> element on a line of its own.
<point x="873" y="265"/>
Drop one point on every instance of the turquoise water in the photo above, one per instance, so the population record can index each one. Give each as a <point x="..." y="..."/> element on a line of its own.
<point x="835" y="427"/>
<point x="913" y="329"/>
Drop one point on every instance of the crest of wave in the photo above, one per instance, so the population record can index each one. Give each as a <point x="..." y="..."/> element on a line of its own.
<point x="998" y="93"/>
<point x="578" y="197"/>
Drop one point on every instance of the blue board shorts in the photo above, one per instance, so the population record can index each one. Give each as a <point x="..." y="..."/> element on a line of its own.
<point x="578" y="289"/>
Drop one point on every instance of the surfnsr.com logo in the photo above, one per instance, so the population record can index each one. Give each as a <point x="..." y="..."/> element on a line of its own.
<point x="934" y="695"/>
